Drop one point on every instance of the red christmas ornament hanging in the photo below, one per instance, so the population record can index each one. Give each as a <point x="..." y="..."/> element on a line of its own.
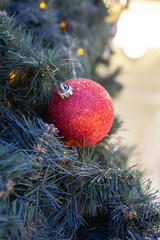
<point x="82" y="110"/>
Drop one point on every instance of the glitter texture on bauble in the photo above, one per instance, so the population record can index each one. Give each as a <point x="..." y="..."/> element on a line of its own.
<point x="83" y="118"/>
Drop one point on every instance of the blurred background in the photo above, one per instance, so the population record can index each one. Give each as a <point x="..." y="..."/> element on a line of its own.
<point x="137" y="50"/>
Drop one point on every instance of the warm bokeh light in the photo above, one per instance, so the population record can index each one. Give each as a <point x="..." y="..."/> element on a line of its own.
<point x="123" y="2"/>
<point x="80" y="51"/>
<point x="63" y="24"/>
<point x="42" y="5"/>
<point x="137" y="28"/>
<point x="107" y="3"/>
<point x="112" y="3"/>
<point x="12" y="75"/>
<point x="115" y="8"/>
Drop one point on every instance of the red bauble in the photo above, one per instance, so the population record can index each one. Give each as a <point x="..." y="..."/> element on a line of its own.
<point x="83" y="118"/>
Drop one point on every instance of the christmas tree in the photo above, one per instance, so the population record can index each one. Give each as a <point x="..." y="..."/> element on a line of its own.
<point x="49" y="190"/>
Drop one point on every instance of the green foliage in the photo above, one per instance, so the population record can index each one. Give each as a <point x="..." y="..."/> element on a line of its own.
<point x="64" y="192"/>
<point x="28" y="72"/>
<point x="83" y="19"/>
<point x="19" y="219"/>
<point x="50" y="191"/>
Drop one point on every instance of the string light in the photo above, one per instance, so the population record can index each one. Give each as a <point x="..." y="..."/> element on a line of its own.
<point x="80" y="51"/>
<point x="63" y="24"/>
<point x="65" y="153"/>
<point x="12" y="77"/>
<point x="42" y="5"/>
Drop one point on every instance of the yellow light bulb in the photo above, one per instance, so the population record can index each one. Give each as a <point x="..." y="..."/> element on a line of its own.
<point x="42" y="5"/>
<point x="80" y="51"/>
<point x="63" y="24"/>
<point x="12" y="77"/>
<point x="15" y="75"/>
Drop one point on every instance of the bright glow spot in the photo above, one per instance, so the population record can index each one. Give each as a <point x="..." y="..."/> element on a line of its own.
<point x="115" y="8"/>
<point x="42" y="5"/>
<point x="137" y="28"/>
<point x="107" y="3"/>
<point x="123" y="2"/>
<point x="80" y="51"/>
<point x="12" y="75"/>
<point x="111" y="3"/>
<point x="63" y="24"/>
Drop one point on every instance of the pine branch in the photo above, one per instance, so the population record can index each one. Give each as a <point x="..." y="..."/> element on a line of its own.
<point x="78" y="17"/>
<point x="28" y="72"/>
<point x="15" y="212"/>
<point x="69" y="192"/>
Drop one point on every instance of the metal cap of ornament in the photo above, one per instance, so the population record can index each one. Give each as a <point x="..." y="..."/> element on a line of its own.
<point x="65" y="90"/>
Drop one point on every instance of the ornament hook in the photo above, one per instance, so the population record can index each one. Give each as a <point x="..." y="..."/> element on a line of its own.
<point x="65" y="90"/>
